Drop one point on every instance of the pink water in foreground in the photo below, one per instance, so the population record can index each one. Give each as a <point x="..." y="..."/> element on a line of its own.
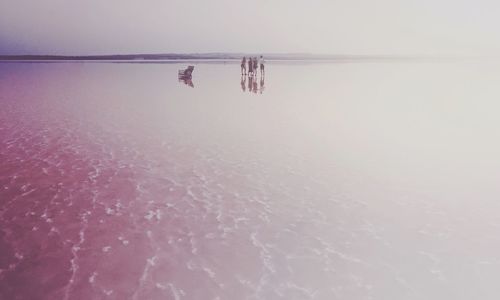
<point x="338" y="181"/>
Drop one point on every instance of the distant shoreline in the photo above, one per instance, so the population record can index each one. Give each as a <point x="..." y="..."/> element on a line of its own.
<point x="204" y="57"/>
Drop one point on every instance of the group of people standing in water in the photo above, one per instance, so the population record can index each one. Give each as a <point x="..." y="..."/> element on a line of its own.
<point x="253" y="68"/>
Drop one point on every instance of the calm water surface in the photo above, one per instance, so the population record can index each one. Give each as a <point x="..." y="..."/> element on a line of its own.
<point x="330" y="181"/>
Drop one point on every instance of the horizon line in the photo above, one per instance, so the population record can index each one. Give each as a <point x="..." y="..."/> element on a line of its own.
<point x="225" y="56"/>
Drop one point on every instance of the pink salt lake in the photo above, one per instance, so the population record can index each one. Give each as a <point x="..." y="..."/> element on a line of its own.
<point x="355" y="180"/>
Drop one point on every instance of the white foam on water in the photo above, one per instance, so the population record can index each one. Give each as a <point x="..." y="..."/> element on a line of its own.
<point x="93" y="277"/>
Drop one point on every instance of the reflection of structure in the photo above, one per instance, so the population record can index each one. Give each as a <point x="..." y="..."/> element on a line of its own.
<point x="187" y="81"/>
<point x="186" y="75"/>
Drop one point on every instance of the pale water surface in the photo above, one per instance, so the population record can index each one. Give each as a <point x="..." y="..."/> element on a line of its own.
<point x="374" y="180"/>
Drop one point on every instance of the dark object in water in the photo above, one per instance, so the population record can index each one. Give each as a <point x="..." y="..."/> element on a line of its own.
<point x="187" y="81"/>
<point x="187" y="73"/>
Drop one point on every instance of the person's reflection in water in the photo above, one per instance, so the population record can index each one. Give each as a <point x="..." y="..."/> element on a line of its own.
<point x="261" y="84"/>
<point x="243" y="82"/>
<point x="250" y="83"/>
<point x="255" y="85"/>
<point x="187" y="81"/>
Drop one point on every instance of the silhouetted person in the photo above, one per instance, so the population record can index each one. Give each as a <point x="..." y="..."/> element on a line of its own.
<point x="261" y="62"/>
<point x="244" y="66"/>
<point x="255" y="66"/>
<point x="250" y="66"/>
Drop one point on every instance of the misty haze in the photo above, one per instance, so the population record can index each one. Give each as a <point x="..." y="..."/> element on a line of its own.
<point x="260" y="150"/>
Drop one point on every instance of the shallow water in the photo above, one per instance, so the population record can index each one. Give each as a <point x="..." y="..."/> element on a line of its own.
<point x="373" y="180"/>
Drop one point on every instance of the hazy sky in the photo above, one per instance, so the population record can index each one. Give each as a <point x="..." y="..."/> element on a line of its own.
<point x="317" y="26"/>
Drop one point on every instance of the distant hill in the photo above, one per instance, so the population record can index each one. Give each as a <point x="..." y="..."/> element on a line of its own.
<point x="196" y="56"/>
